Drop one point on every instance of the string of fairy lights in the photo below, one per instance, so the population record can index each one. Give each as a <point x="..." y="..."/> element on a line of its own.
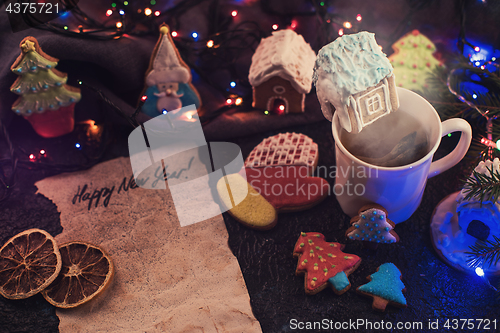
<point x="228" y="38"/>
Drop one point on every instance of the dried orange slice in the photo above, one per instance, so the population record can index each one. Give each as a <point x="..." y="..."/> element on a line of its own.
<point x="29" y="262"/>
<point x="86" y="271"/>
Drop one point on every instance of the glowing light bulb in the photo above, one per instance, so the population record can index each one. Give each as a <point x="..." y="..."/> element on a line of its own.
<point x="321" y="3"/>
<point x="78" y="146"/>
<point x="194" y="35"/>
<point x="119" y="25"/>
<point x="65" y="27"/>
<point x="229" y="101"/>
<point x="234" y="13"/>
<point x="474" y="96"/>
<point x="479" y="271"/>
<point x="210" y="43"/>
<point x="144" y="98"/>
<point x="238" y="101"/>
<point x="153" y="2"/>
<point x="281" y="107"/>
<point x="493" y="58"/>
<point x="232" y="84"/>
<point x="113" y="5"/>
<point x="341" y="32"/>
<point x="293" y="24"/>
<point x="477" y="63"/>
<point x="32" y="157"/>
<point x="148" y="11"/>
<point x="189" y="116"/>
<point x="347" y="25"/>
<point x="42" y="152"/>
<point x="477" y="49"/>
<point x="125" y="3"/>
<point x="174" y="33"/>
<point x="498" y="144"/>
<point x="266" y="112"/>
<point x="164" y="111"/>
<point x="359" y="17"/>
<point x="109" y="12"/>
<point x="157" y="13"/>
<point x="122" y="12"/>
<point x="275" y="27"/>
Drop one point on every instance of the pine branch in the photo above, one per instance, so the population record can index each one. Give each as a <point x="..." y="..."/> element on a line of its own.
<point x="484" y="252"/>
<point x="484" y="187"/>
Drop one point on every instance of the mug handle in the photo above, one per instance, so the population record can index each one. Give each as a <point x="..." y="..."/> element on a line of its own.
<point x="448" y="126"/>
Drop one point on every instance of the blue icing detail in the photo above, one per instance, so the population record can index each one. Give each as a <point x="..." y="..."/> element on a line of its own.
<point x="386" y="228"/>
<point x="381" y="217"/>
<point x="386" y="283"/>
<point x="356" y="225"/>
<point x="363" y="216"/>
<point x="378" y="231"/>
<point x="362" y="231"/>
<point x="355" y="61"/>
<point x="374" y="212"/>
<point x="366" y="224"/>
<point x="373" y="219"/>
<point x="357" y="235"/>
<point x="189" y="97"/>
<point x="339" y="281"/>
<point x="375" y="225"/>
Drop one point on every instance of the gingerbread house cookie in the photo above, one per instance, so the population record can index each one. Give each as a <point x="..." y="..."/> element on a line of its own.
<point x="281" y="72"/>
<point x="354" y="78"/>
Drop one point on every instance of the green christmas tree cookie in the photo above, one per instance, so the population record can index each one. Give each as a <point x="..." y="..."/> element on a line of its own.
<point x="45" y="100"/>
<point x="385" y="287"/>
<point x="413" y="60"/>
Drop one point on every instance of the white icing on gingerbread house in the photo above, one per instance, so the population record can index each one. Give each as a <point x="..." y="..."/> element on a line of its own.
<point x="354" y="77"/>
<point x="281" y="72"/>
<point x="476" y="218"/>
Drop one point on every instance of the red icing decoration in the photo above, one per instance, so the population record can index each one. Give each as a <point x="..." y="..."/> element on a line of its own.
<point x="428" y="64"/>
<point x="415" y="45"/>
<point x="324" y="256"/>
<point x="415" y="32"/>
<point x="53" y="123"/>
<point x="414" y="66"/>
<point x="402" y="43"/>
<point x="287" y="186"/>
<point x="401" y="62"/>
<point x="429" y="46"/>
<point x="414" y="81"/>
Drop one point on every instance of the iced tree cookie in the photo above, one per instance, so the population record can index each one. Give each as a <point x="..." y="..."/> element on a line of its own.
<point x="372" y="225"/>
<point x="323" y="263"/>
<point x="385" y="287"/>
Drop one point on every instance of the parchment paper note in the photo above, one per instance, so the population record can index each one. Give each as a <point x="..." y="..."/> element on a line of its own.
<point x="168" y="278"/>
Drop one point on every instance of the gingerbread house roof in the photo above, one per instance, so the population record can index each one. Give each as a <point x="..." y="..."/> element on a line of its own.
<point x="287" y="55"/>
<point x="353" y="63"/>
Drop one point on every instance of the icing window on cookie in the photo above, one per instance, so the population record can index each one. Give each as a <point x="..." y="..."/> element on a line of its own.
<point x="279" y="89"/>
<point x="373" y="104"/>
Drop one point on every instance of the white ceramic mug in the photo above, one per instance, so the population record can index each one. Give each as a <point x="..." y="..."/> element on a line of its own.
<point x="398" y="189"/>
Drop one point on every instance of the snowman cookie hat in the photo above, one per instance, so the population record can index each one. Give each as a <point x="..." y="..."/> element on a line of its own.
<point x="167" y="65"/>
